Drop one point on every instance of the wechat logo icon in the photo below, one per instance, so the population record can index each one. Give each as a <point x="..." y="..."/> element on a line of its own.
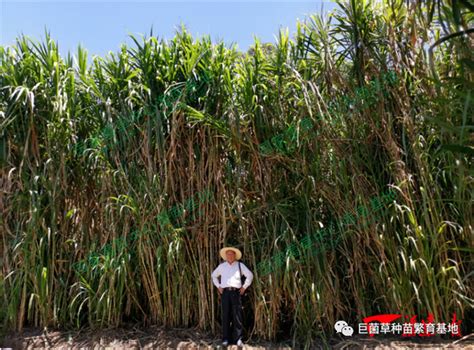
<point x="344" y="328"/>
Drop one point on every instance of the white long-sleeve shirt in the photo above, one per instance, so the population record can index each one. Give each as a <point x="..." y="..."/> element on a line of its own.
<point x="230" y="276"/>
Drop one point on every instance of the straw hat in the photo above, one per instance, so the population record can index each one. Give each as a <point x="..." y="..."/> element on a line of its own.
<point x="238" y="253"/>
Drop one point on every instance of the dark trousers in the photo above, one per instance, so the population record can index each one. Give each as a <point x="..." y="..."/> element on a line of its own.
<point x="231" y="310"/>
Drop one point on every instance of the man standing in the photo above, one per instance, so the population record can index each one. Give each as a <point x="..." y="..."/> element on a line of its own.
<point x="231" y="289"/>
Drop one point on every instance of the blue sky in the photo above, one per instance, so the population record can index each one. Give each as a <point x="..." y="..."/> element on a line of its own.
<point x="101" y="26"/>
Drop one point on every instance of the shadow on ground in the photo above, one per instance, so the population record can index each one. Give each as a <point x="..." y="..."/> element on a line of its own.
<point x="161" y="338"/>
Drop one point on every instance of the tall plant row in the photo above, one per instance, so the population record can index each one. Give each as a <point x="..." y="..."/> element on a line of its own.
<point x="90" y="156"/>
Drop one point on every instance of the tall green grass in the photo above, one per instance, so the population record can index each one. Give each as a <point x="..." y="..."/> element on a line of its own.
<point x="79" y="174"/>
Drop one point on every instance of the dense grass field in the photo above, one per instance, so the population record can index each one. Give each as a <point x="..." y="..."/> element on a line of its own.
<point x="104" y="160"/>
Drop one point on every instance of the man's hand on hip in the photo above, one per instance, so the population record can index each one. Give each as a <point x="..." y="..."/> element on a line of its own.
<point x="242" y="291"/>
<point x="221" y="290"/>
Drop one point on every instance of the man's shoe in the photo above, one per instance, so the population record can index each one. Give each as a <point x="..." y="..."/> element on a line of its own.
<point x="225" y="343"/>
<point x="240" y="343"/>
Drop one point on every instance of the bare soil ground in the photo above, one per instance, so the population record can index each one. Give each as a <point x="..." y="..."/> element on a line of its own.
<point x="160" y="338"/>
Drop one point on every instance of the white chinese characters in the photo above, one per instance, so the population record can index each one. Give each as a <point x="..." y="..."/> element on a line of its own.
<point x="409" y="329"/>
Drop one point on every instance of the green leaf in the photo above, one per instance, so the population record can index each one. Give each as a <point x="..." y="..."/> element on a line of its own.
<point x="70" y="213"/>
<point x="457" y="149"/>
